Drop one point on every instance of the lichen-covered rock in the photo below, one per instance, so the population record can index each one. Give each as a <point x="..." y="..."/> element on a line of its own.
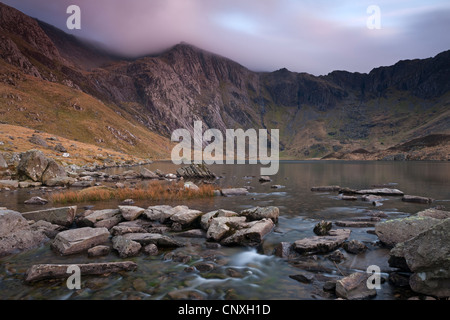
<point x="395" y="231"/>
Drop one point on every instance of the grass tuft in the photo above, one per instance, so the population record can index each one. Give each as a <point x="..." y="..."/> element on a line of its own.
<point x="152" y="191"/>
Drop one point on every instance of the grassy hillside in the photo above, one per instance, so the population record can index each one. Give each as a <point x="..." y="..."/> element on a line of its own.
<point x="67" y="112"/>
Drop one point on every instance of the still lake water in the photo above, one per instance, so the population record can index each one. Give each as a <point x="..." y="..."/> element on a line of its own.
<point x="242" y="273"/>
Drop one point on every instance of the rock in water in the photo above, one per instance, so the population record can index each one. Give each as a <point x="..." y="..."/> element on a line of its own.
<point x="130" y="213"/>
<point x="126" y="247"/>
<point x="36" y="200"/>
<point x="322" y="244"/>
<point x="395" y="231"/>
<point x="16" y="234"/>
<point x="354" y="287"/>
<point x="251" y="236"/>
<point x="417" y="199"/>
<point x="199" y="171"/>
<point x="354" y="246"/>
<point x="259" y="213"/>
<point x="322" y="228"/>
<point x="428" y="256"/>
<point x="63" y="216"/>
<point x="79" y="240"/>
<point x="58" y="271"/>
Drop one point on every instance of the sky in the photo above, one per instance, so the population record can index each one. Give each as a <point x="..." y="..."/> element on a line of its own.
<point x="314" y="36"/>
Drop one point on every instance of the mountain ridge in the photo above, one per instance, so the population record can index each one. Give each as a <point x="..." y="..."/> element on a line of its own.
<point x="317" y="115"/>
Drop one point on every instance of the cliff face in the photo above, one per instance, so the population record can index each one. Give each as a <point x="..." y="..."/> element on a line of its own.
<point x="339" y="112"/>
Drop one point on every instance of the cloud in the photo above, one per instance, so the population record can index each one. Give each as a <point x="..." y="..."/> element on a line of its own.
<point x="264" y="35"/>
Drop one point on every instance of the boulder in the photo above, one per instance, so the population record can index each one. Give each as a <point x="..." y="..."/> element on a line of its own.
<point x="16" y="234"/>
<point x="206" y="219"/>
<point x="185" y="216"/>
<point x="199" y="171"/>
<point x="435" y="282"/>
<point x="395" y="231"/>
<point x="159" y="213"/>
<point x="131" y="213"/>
<point x="222" y="226"/>
<point x="251" y="236"/>
<point x="52" y="172"/>
<point x="37" y="167"/>
<point x="147" y="174"/>
<point x="79" y="240"/>
<point x="126" y="247"/>
<point x="259" y="213"/>
<point x="322" y="244"/>
<point x="354" y="287"/>
<point x="58" y="271"/>
<point x="63" y="216"/>
<point x="94" y="217"/>
<point x="427" y="255"/>
<point x="109" y="223"/>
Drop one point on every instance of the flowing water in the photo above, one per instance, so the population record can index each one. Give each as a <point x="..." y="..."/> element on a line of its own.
<point x="243" y="273"/>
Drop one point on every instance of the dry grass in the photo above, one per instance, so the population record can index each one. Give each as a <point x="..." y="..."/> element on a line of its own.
<point x="153" y="191"/>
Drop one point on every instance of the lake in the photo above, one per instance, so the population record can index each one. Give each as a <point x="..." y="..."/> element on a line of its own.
<point x="244" y="273"/>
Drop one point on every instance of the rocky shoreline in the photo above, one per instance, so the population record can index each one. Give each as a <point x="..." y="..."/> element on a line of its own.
<point x="419" y="244"/>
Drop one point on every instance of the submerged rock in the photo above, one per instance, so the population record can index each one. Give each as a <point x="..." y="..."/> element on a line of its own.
<point x="36" y="200"/>
<point x="58" y="271"/>
<point x="326" y="188"/>
<point x="234" y="192"/>
<point x="416" y="199"/>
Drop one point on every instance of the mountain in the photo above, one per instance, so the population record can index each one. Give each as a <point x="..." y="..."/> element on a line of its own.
<point x="57" y="83"/>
